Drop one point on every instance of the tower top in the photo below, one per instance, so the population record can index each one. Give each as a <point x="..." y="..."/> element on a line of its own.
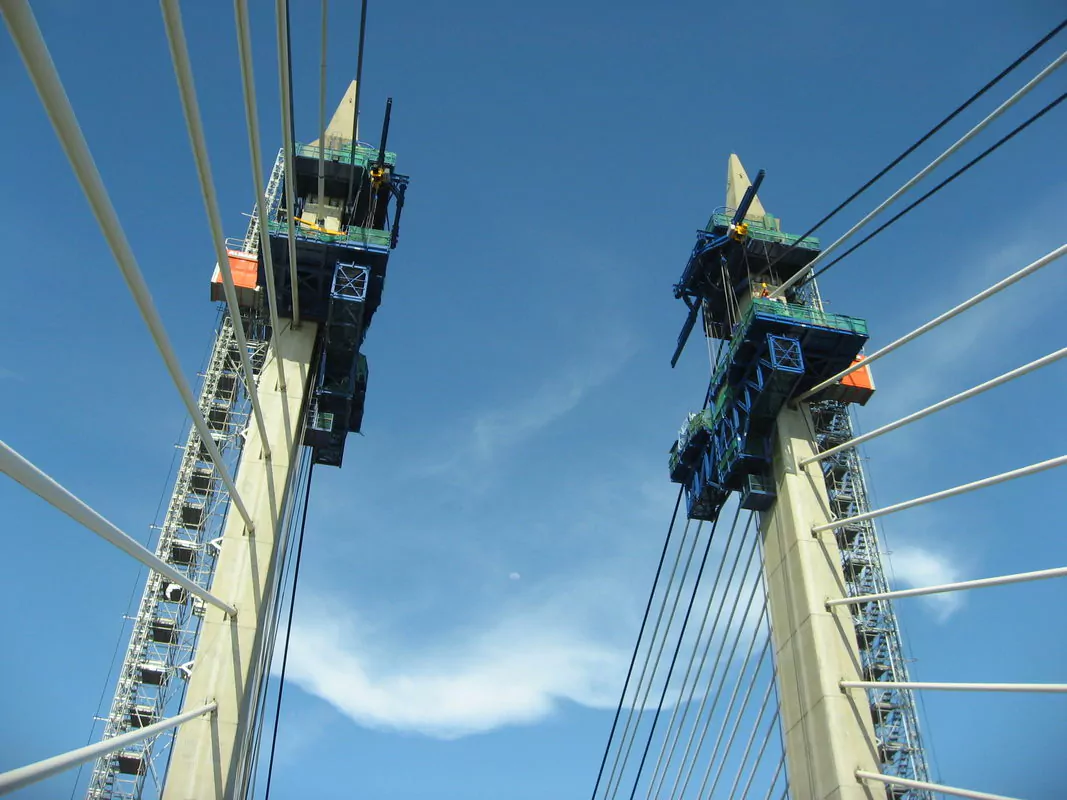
<point x="339" y="131"/>
<point x="736" y="183"/>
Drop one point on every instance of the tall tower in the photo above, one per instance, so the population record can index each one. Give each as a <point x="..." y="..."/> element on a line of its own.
<point x="330" y="249"/>
<point x="750" y="438"/>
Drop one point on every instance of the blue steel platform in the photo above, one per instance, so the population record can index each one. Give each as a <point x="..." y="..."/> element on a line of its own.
<point x="340" y="277"/>
<point x="777" y="351"/>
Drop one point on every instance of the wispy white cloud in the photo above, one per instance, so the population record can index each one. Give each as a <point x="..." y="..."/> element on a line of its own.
<point x="9" y="374"/>
<point x="514" y="671"/>
<point x="914" y="567"/>
<point x="565" y="638"/>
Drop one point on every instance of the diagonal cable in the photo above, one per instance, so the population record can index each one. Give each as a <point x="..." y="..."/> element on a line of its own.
<point x="622" y="756"/>
<point x="718" y="692"/>
<point x="677" y="650"/>
<point x="637" y="644"/>
<point x="918" y="143"/>
<point x="976" y="160"/>
<point x="660" y="764"/>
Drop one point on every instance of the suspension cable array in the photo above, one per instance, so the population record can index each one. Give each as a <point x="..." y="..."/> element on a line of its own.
<point x="736" y="628"/>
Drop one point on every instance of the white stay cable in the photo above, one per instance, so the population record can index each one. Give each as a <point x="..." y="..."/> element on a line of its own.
<point x="723" y="649"/>
<point x="946" y="403"/>
<point x="767" y="698"/>
<point x="774" y="780"/>
<point x="322" y="108"/>
<point x="759" y="756"/>
<point x="1029" y="269"/>
<point x="925" y="171"/>
<point x="281" y="10"/>
<point x="648" y="654"/>
<point x="248" y="84"/>
<point x="179" y="52"/>
<point x="34" y="52"/>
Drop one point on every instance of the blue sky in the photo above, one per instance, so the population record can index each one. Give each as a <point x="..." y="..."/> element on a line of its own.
<point x="521" y="401"/>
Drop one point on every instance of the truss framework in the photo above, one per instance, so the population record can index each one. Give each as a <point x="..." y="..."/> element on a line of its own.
<point x="893" y="712"/>
<point x="159" y="656"/>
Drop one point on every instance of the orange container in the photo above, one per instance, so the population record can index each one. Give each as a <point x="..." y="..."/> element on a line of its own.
<point x="245" y="270"/>
<point x="858" y="386"/>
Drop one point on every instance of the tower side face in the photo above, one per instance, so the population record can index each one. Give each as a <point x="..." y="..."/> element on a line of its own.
<point x="208" y="752"/>
<point x="828" y="732"/>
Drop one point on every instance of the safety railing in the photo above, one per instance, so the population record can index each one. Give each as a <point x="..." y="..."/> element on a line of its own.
<point x="365" y="154"/>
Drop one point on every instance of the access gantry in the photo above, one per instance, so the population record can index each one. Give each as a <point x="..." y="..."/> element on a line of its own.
<point x="771" y="349"/>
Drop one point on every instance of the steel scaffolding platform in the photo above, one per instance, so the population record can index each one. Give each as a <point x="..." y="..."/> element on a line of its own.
<point x="159" y="656"/>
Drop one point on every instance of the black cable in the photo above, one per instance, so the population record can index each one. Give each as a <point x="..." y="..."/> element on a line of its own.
<point x="1008" y="69"/>
<point x="288" y="631"/>
<point x="355" y="110"/>
<point x="290" y="557"/>
<point x="674" y="658"/>
<point x="637" y="644"/>
<point x="1003" y="140"/>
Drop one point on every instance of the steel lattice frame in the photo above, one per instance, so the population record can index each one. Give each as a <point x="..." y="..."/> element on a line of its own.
<point x="893" y="712"/>
<point x="163" y="639"/>
<point x="138" y="700"/>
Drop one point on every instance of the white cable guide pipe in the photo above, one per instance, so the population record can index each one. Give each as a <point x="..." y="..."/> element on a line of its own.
<point x="1003" y="580"/>
<point x="951" y="401"/>
<point x="244" y="50"/>
<point x="322" y="108"/>
<point x="179" y="53"/>
<point x="1044" y="261"/>
<point x="925" y="171"/>
<point x="38" y="771"/>
<point x="933" y="787"/>
<point x="281" y="9"/>
<point x="35" y="55"/>
<point x="957" y="490"/>
<point x="1025" y="688"/>
<point x="48" y="489"/>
